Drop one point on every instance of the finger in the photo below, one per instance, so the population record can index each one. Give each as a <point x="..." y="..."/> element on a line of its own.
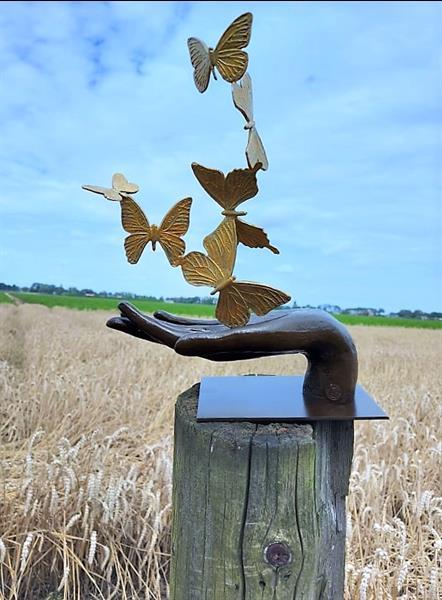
<point x="128" y="310"/>
<point x="163" y="315"/>
<point x="120" y="324"/>
<point x="161" y="331"/>
<point x="207" y="343"/>
<point x="213" y="351"/>
<point x="123" y="324"/>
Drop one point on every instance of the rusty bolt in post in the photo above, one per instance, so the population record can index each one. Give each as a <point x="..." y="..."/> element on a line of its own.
<point x="278" y="554"/>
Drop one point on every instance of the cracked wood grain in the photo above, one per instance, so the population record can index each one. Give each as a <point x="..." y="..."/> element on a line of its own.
<point x="242" y="492"/>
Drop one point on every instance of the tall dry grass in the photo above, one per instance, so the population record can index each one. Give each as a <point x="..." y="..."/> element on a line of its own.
<point x="85" y="459"/>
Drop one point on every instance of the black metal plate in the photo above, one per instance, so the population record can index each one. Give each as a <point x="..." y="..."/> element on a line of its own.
<point x="275" y="398"/>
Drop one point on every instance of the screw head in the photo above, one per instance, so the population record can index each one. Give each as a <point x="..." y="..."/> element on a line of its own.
<point x="333" y="392"/>
<point x="278" y="554"/>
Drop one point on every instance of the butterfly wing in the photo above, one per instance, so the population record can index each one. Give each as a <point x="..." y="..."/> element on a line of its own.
<point x="230" y="60"/>
<point x="243" y="100"/>
<point x="259" y="298"/>
<point x="242" y="95"/>
<point x="135" y="222"/>
<point x="121" y="184"/>
<point x="200" y="59"/>
<point x="133" y="218"/>
<point x="241" y="185"/>
<point x="174" y="248"/>
<point x="106" y="192"/>
<point x="199" y="269"/>
<point x="176" y="221"/>
<point x="212" y="181"/>
<point x="252" y="236"/>
<point x="255" y="152"/>
<point x="231" y="308"/>
<point x="221" y="246"/>
<point x="173" y="226"/>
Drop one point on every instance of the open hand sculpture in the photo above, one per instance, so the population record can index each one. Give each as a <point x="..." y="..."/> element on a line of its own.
<point x="332" y="359"/>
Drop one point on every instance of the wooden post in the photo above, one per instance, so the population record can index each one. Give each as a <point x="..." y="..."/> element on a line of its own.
<point x="258" y="510"/>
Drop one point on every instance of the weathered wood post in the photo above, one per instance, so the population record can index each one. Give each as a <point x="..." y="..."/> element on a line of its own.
<point x="258" y="510"/>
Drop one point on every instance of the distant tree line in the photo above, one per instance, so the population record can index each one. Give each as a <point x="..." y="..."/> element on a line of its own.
<point x="375" y="312"/>
<point x="192" y="300"/>
<point x="59" y="290"/>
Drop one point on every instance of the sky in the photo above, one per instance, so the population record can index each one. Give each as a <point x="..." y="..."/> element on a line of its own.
<point x="348" y="102"/>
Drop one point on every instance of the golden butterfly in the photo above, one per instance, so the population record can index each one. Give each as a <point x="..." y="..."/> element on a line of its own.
<point x="229" y="191"/>
<point x="237" y="299"/>
<point x="120" y="188"/>
<point x="174" y="225"/>
<point x="242" y="94"/>
<point x="228" y="57"/>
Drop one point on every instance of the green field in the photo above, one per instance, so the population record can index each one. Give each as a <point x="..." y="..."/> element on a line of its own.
<point x="111" y="304"/>
<point x="198" y="310"/>
<point x="4" y="299"/>
<point x="389" y="321"/>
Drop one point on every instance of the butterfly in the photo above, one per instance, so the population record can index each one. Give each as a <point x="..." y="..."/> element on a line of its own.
<point x="228" y="57"/>
<point x="229" y="191"/>
<point x="242" y="94"/>
<point x="237" y="299"/>
<point x="174" y="225"/>
<point x="120" y="188"/>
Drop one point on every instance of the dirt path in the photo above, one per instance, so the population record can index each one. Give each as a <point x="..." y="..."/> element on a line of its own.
<point x="13" y="299"/>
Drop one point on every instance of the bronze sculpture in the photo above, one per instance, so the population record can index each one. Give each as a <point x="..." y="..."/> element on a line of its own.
<point x="231" y="190"/>
<point x="228" y="56"/>
<point x="236" y="298"/>
<point x="243" y="100"/>
<point x="330" y="381"/>
<point x="332" y="359"/>
<point x="168" y="234"/>
<point x="120" y="188"/>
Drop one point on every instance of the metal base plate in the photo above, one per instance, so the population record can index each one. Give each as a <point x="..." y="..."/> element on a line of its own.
<point x="271" y="398"/>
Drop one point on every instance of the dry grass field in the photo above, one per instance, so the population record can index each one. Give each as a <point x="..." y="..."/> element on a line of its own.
<point x="85" y="459"/>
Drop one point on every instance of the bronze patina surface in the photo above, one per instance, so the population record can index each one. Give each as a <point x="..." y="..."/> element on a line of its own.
<point x="120" y="188"/>
<point x="169" y="234"/>
<point x="331" y="354"/>
<point x="228" y="56"/>
<point x="242" y="94"/>
<point x="237" y="299"/>
<point x="229" y="191"/>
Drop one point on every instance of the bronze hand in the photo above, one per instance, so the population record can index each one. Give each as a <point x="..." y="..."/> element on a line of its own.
<point x="326" y="343"/>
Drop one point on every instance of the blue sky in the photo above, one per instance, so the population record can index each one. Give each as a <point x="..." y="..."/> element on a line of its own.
<point x="348" y="103"/>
